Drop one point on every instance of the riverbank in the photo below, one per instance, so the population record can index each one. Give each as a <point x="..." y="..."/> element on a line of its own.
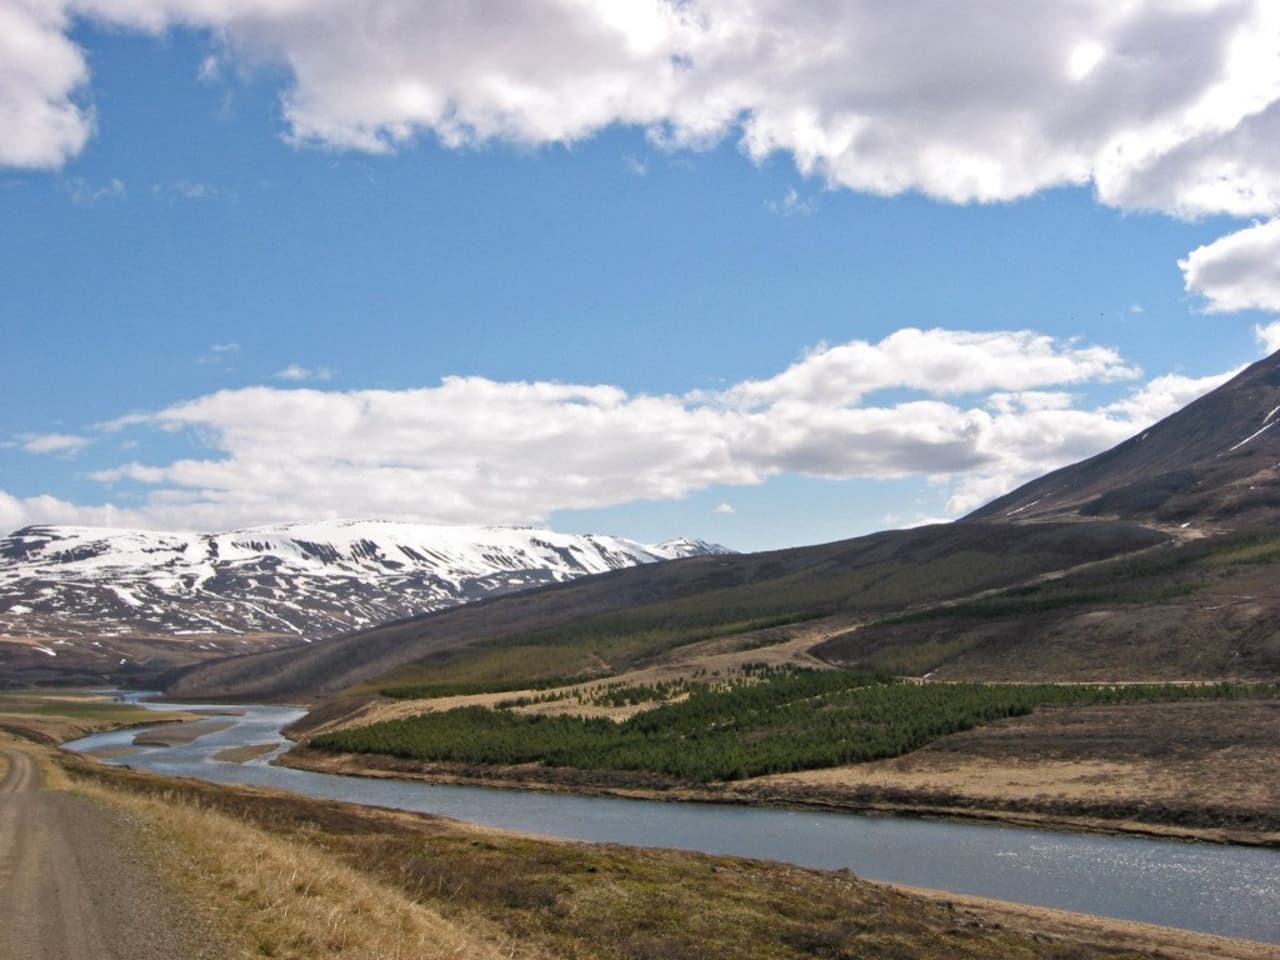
<point x="509" y="893"/>
<point x="1072" y="818"/>
<point x="52" y="717"/>
<point x="1199" y="771"/>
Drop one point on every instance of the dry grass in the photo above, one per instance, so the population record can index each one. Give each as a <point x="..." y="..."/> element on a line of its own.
<point x="723" y="656"/>
<point x="286" y="899"/>
<point x="1206" y="766"/>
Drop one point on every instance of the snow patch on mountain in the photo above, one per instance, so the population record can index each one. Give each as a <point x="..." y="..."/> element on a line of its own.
<point x="312" y="578"/>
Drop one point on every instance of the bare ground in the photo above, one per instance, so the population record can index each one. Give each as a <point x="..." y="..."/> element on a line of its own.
<point x="179" y="734"/>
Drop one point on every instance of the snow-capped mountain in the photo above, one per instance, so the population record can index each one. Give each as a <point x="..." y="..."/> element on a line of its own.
<point x="296" y="579"/>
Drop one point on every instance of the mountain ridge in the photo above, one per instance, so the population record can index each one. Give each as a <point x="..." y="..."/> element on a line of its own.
<point x="65" y="587"/>
<point x="1213" y="464"/>
<point x="1131" y="560"/>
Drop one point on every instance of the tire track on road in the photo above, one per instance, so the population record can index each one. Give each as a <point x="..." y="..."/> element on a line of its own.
<point x="74" y="885"/>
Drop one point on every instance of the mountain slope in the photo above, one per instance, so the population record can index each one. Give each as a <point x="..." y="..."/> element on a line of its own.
<point x="72" y="593"/>
<point x="616" y="620"/>
<point x="992" y="596"/>
<point x="1214" y="463"/>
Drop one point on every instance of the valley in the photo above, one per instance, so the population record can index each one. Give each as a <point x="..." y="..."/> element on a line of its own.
<point x="338" y="876"/>
<point x="1209" y="887"/>
<point x="1096" y="665"/>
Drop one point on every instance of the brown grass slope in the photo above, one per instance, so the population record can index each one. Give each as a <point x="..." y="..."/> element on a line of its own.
<point x="1207" y="609"/>
<point x="1207" y="464"/>
<point x="617" y="620"/>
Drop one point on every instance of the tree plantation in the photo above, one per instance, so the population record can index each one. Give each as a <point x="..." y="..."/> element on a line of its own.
<point x="794" y="721"/>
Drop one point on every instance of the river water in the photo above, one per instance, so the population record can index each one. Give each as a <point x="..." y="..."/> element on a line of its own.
<point x="1234" y="891"/>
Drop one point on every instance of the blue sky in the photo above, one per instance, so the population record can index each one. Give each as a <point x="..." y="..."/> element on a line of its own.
<point x="203" y="256"/>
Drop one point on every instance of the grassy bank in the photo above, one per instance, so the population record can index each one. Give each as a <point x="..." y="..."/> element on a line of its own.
<point x="55" y="716"/>
<point x="310" y="878"/>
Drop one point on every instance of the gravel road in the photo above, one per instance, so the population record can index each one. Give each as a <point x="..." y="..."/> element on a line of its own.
<point x="76" y="884"/>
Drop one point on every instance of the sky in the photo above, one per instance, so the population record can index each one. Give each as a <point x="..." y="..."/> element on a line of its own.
<point x="763" y="273"/>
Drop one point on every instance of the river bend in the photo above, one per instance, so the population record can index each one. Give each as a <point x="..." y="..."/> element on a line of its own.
<point x="1227" y="890"/>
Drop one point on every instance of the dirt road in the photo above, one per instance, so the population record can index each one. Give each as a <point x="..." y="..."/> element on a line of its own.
<point x="75" y="884"/>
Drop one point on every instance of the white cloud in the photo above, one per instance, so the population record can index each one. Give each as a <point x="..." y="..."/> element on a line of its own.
<point x="472" y="450"/>
<point x="1240" y="271"/>
<point x="1030" y="400"/>
<point x="1164" y="395"/>
<point x="41" y="75"/>
<point x="1028" y="440"/>
<point x="18" y="512"/>
<point x="939" y="362"/>
<point x="792" y="204"/>
<point x="64" y="444"/>
<point x="1159" y="106"/>
<point x="724" y="508"/>
<point x="1146" y="99"/>
<point x="298" y="373"/>
<point x="1268" y="336"/>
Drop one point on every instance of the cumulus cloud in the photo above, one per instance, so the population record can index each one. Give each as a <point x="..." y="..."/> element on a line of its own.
<point x="724" y="508"/>
<point x="1031" y="434"/>
<point x="1240" y="271"/>
<point x="1161" y="106"/>
<point x="41" y="75"/>
<point x="58" y="443"/>
<point x="940" y="362"/>
<point x="18" y="512"/>
<point x="1164" y="395"/>
<point x="474" y="450"/>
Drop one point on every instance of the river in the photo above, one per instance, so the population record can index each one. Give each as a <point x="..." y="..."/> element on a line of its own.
<point x="1228" y="890"/>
